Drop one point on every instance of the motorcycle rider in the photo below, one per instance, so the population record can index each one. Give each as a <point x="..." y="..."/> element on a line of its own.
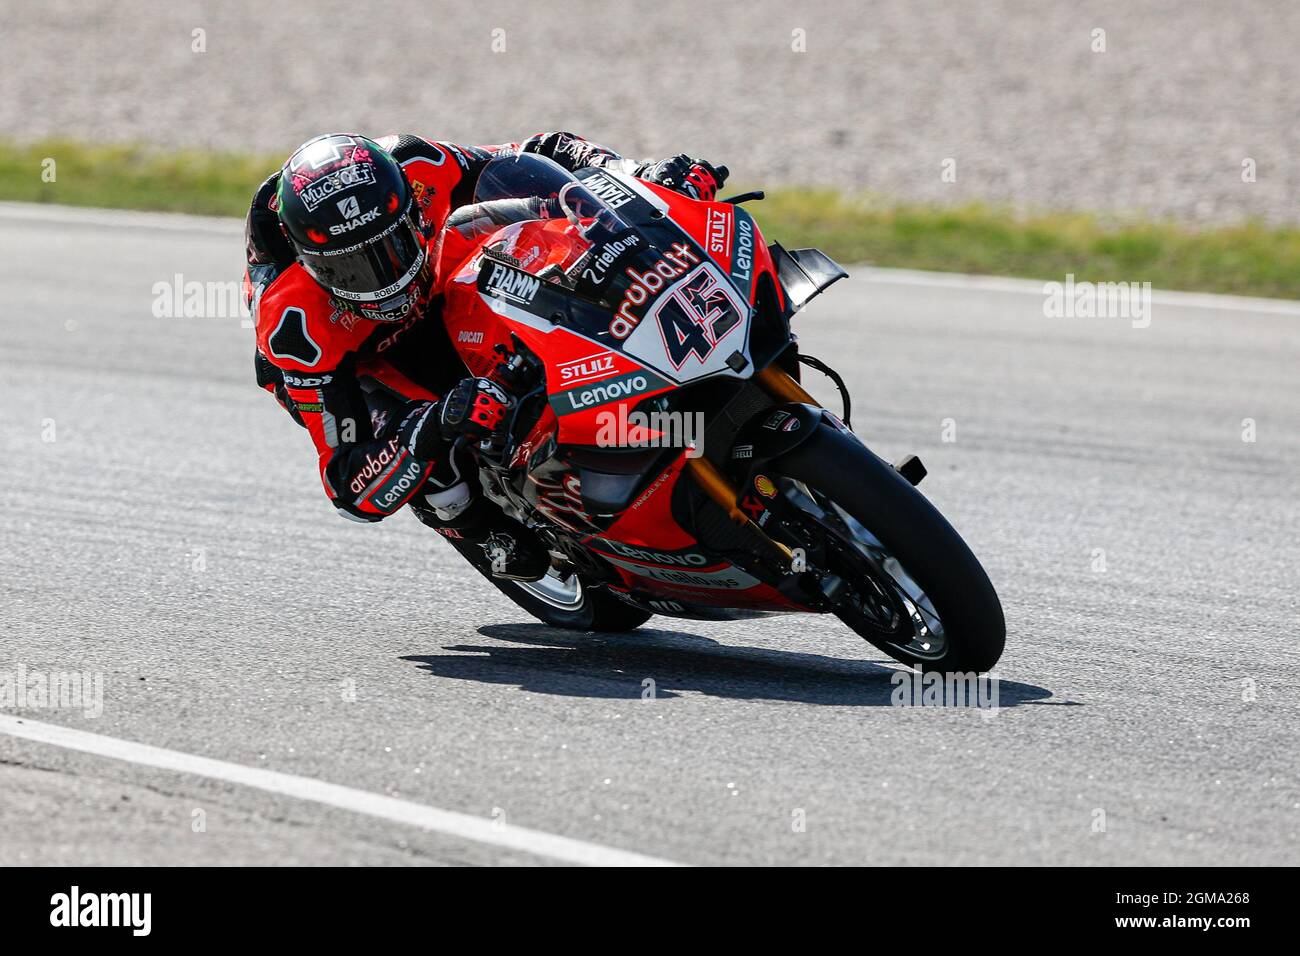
<point x="342" y="247"/>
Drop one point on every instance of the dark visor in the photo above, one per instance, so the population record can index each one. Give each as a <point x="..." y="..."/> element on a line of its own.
<point x="375" y="269"/>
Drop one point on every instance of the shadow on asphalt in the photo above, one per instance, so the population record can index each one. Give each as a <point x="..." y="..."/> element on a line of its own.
<point x="573" y="664"/>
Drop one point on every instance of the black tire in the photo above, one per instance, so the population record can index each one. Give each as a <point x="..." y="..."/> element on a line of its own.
<point x="595" y="610"/>
<point x="839" y="466"/>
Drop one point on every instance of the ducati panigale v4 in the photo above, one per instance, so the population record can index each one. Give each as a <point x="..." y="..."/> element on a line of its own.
<point x="659" y="441"/>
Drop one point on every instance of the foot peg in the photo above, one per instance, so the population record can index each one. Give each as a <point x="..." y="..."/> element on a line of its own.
<point x="911" y="469"/>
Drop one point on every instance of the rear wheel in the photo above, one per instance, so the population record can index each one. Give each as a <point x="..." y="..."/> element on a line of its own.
<point x="567" y="601"/>
<point x="896" y="572"/>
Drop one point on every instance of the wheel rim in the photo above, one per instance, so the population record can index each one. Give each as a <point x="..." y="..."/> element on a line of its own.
<point x="564" y="592"/>
<point x="926" y="636"/>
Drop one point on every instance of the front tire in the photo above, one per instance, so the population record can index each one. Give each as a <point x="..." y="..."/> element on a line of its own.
<point x="911" y="531"/>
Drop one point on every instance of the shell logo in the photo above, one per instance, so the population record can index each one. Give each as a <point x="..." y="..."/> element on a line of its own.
<point x="765" y="486"/>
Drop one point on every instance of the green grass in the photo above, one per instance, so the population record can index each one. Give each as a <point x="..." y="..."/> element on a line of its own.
<point x="1251" y="259"/>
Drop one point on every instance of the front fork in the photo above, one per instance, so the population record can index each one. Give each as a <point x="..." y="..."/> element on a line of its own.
<point x="780" y="385"/>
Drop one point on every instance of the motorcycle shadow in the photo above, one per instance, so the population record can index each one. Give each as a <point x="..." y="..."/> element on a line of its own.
<point x="617" y="666"/>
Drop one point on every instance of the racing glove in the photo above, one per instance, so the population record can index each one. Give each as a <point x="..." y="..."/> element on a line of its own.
<point x="692" y="177"/>
<point x="475" y="407"/>
<point x="570" y="151"/>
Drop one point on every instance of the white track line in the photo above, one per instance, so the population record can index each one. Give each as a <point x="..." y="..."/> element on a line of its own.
<point x="460" y="825"/>
<point x="179" y="222"/>
<point x="120" y="218"/>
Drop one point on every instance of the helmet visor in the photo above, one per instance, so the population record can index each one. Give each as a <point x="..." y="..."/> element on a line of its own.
<point x="377" y="268"/>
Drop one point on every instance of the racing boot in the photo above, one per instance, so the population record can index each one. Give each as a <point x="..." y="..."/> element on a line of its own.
<point x="489" y="539"/>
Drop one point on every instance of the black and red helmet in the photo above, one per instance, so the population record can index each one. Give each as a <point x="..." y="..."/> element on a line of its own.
<point x="348" y="209"/>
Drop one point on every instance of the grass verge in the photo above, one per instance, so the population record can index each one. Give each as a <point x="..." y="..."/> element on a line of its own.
<point x="1251" y="259"/>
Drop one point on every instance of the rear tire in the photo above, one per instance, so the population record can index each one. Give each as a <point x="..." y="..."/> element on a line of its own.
<point x="586" y="609"/>
<point x="912" y="530"/>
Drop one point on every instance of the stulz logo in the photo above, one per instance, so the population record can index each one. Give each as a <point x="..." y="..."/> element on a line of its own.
<point x="646" y="284"/>
<point x="585" y="369"/>
<point x="75" y="908"/>
<point x="358" y="218"/>
<point x="602" y="187"/>
<point x="512" y="284"/>
<point x="719" y="232"/>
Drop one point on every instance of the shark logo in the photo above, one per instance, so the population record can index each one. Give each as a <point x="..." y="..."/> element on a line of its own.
<point x="349" y="207"/>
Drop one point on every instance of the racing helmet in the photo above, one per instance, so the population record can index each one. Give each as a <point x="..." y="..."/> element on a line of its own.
<point x="346" y="206"/>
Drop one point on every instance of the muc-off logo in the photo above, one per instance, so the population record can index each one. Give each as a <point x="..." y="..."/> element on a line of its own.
<point x="512" y="284"/>
<point x="340" y="180"/>
<point x="612" y="194"/>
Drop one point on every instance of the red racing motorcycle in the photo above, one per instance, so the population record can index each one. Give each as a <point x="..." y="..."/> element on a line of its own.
<point x="659" y="440"/>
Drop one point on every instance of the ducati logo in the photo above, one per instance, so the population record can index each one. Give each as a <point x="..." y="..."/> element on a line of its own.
<point x="349" y="207"/>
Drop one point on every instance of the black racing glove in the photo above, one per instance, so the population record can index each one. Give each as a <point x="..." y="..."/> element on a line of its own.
<point x="692" y="177"/>
<point x="570" y="151"/>
<point x="421" y="434"/>
<point x="475" y="407"/>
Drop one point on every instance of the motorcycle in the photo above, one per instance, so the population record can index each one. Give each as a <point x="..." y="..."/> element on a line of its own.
<point x="660" y="441"/>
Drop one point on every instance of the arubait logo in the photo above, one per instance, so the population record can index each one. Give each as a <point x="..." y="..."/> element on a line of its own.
<point x="646" y="284"/>
<point x="374" y="466"/>
<point x="508" y="283"/>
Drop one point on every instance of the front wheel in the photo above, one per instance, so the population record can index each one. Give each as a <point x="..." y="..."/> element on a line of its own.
<point x="895" y="570"/>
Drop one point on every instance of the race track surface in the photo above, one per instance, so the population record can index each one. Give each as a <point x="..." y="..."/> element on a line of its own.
<point x="164" y="527"/>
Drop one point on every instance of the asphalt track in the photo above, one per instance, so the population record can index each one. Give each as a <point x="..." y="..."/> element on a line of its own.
<point x="284" y="687"/>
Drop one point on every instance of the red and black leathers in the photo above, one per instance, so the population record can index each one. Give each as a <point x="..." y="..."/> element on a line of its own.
<point x="363" y="389"/>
